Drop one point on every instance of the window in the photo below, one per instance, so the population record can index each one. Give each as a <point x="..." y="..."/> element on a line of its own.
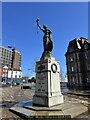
<point x="73" y="79"/>
<point x="72" y="68"/>
<point x="86" y="46"/>
<point x="77" y="56"/>
<point x="71" y="49"/>
<point x="88" y="66"/>
<point x="85" y="55"/>
<point x="15" y="76"/>
<point x="71" y="57"/>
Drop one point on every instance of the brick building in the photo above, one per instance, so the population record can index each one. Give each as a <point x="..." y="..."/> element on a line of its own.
<point x="10" y="61"/>
<point x="78" y="63"/>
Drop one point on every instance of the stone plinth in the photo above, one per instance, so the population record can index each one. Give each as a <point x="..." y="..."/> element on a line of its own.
<point x="47" y="92"/>
<point x="65" y="110"/>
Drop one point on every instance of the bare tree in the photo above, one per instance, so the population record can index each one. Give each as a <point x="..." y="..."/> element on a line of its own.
<point x="63" y="76"/>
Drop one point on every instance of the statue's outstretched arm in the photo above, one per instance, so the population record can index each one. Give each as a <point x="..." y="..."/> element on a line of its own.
<point x="39" y="25"/>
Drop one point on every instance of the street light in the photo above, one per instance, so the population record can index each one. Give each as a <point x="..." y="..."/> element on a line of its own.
<point x="12" y="65"/>
<point x="5" y="71"/>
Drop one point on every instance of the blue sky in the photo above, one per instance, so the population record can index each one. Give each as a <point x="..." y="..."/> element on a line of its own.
<point x="67" y="20"/>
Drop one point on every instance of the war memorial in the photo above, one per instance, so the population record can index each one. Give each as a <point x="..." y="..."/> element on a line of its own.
<point x="48" y="101"/>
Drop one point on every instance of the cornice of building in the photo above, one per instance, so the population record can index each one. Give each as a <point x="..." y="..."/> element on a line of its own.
<point x="5" y="48"/>
<point x="11" y="50"/>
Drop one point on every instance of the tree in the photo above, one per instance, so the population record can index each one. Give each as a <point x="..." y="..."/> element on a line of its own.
<point x="63" y="76"/>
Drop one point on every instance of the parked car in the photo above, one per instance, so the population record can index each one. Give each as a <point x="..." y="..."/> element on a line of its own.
<point x="26" y="85"/>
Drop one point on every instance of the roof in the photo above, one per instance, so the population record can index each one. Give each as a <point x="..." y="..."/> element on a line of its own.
<point x="77" y="44"/>
<point x="13" y="49"/>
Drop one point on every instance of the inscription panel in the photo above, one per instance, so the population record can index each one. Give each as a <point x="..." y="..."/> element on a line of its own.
<point x="41" y="67"/>
<point x="42" y="79"/>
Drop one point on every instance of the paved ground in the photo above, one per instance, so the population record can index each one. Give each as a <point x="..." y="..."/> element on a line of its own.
<point x="10" y="96"/>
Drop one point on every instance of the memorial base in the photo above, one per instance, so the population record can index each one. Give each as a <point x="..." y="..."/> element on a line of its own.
<point x="47" y="101"/>
<point x="65" y="110"/>
<point x="47" y="91"/>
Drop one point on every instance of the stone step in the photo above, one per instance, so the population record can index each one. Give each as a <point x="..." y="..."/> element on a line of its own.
<point x="65" y="110"/>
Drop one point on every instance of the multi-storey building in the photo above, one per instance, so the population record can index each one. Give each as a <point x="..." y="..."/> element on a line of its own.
<point x="5" y="56"/>
<point x="16" y="56"/>
<point x="10" y="64"/>
<point x="78" y="63"/>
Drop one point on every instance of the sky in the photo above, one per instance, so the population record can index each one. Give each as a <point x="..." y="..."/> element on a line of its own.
<point x="66" y="20"/>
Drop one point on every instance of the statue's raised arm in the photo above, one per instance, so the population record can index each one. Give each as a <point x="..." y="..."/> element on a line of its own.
<point x="38" y="25"/>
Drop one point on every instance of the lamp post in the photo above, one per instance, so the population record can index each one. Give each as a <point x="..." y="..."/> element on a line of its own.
<point x="12" y="65"/>
<point x="5" y="71"/>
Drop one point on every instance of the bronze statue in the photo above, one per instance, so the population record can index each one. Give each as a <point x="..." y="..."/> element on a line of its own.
<point x="48" y="44"/>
